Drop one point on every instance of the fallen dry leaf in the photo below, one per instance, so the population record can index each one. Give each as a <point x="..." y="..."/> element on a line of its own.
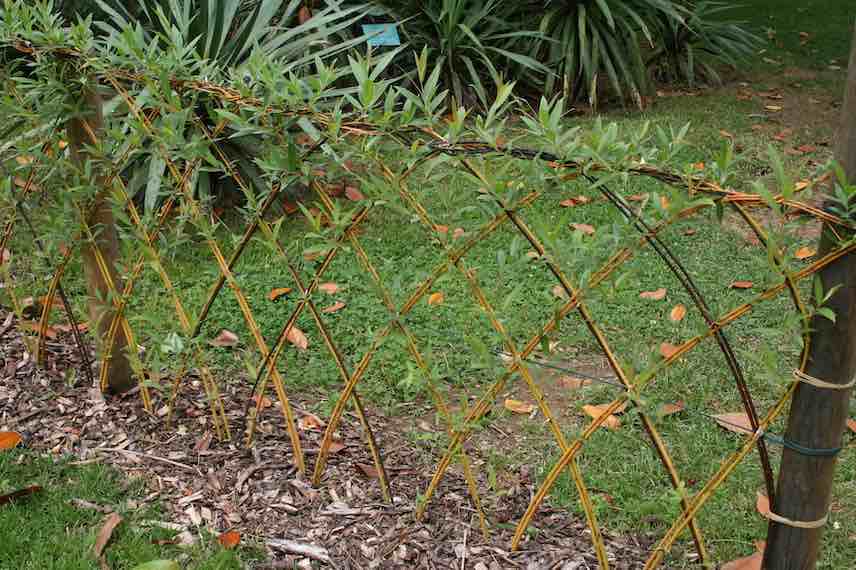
<point x="336" y="446"/>
<point x="668" y="349"/>
<point x="657" y="295"/>
<point x="329" y="288"/>
<point x="670" y="409"/>
<point x="572" y="382"/>
<point x="698" y="166"/>
<point x="50" y="332"/>
<point x="436" y="298"/>
<point x="225" y="338"/>
<point x="310" y="422"/>
<point x="441" y="229"/>
<point x="353" y="193"/>
<point x="612" y="422"/>
<point x="110" y="523"/>
<point x="458" y="233"/>
<point x="278" y="292"/>
<point x="368" y="470"/>
<point x="297" y="338"/>
<point x="265" y="401"/>
<point x="851" y="424"/>
<point x="559" y="291"/>
<point x="5" y="255"/>
<point x="9" y="439"/>
<point x="804" y="252"/>
<point x="81" y="327"/>
<point x="677" y="313"/>
<point x="762" y="504"/>
<point x="726" y="134"/>
<point x="637" y="197"/>
<point x="737" y="422"/>
<point x="689" y="232"/>
<point x="518" y="407"/>
<point x="802" y="185"/>
<point x="806" y="148"/>
<point x="338" y="305"/>
<point x="230" y="539"/>
<point x="773" y="108"/>
<point x="751" y="562"/>
<point x="575" y="201"/>
<point x="584" y="228"/>
<point x="742" y="285"/>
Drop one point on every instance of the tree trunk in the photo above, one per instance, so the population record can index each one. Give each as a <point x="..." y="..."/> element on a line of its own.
<point x="818" y="415"/>
<point x="101" y="309"/>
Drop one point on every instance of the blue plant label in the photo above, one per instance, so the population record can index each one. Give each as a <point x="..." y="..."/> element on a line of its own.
<point x="382" y="34"/>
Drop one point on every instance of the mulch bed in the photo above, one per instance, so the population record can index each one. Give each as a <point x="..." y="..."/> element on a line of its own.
<point x="204" y="483"/>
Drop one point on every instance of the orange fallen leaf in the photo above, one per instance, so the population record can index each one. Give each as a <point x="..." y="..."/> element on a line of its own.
<point x="742" y="285"/>
<point x="436" y="298"/>
<point x="9" y="439"/>
<point x="677" y="313"/>
<point x="637" y="197"/>
<point x="851" y="424"/>
<point x="5" y="255"/>
<point x="664" y="202"/>
<point x="612" y="422"/>
<point x="230" y="539"/>
<point x="670" y="409"/>
<point x="802" y="185"/>
<point x="806" y="148"/>
<point x="668" y="349"/>
<point x="584" y="228"/>
<point x="110" y="523"/>
<point x="559" y="292"/>
<point x="441" y="229"/>
<point x="575" y="201"/>
<point x="353" y="193"/>
<point x="278" y="292"/>
<point x="265" y="401"/>
<point x="698" y="166"/>
<point x="81" y="327"/>
<point x="762" y="504"/>
<point x="338" y="305"/>
<point x="804" y="252"/>
<point x="572" y="382"/>
<point x="329" y="288"/>
<point x="751" y="562"/>
<point x="297" y="338"/>
<point x="458" y="233"/>
<point x="518" y="407"/>
<point x="737" y="422"/>
<point x="310" y="422"/>
<point x="656" y="295"/>
<point x="225" y="338"/>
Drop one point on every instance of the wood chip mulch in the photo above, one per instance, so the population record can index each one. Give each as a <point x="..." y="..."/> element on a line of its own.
<point x="204" y="483"/>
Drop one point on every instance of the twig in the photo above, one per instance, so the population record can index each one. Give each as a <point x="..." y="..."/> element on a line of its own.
<point x="318" y="553"/>
<point x="152" y="457"/>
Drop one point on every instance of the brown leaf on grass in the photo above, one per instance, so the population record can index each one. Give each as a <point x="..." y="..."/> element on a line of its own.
<point x="584" y="228"/>
<point x="310" y="422"/>
<point x="572" y="382"/>
<point x="436" y="298"/>
<point x="24" y="159"/>
<point x="804" y="252"/>
<point x="742" y="285"/>
<point x="458" y="233"/>
<point x="518" y="407"/>
<point x="439" y="228"/>
<point x="575" y="201"/>
<point x="368" y="470"/>
<point x="19" y="494"/>
<point x="851" y="425"/>
<point x="353" y="194"/>
<point x="689" y="232"/>
<point x="225" y="338"/>
<point x="757" y="127"/>
<point x="230" y="539"/>
<point x="5" y="255"/>
<point x="278" y="292"/>
<point x="677" y="313"/>
<point x="9" y="439"/>
<point x="338" y="305"/>
<point x="637" y="197"/>
<point x="110" y="523"/>
<point x="802" y="185"/>
<point x="612" y="422"/>
<point x="667" y="349"/>
<point x="726" y="134"/>
<point x="671" y="409"/>
<point x="297" y="338"/>
<point x="806" y="148"/>
<point x="783" y="135"/>
<point x="762" y="504"/>
<point x="81" y="327"/>
<point x="698" y="166"/>
<point x="265" y="401"/>
<point x="664" y="202"/>
<point x="737" y="422"/>
<point x="657" y="295"/>
<point x="329" y="288"/>
<point x="751" y="562"/>
<point x="559" y="291"/>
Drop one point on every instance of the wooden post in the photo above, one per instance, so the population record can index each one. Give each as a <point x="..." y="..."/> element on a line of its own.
<point x="101" y="310"/>
<point x="818" y="415"/>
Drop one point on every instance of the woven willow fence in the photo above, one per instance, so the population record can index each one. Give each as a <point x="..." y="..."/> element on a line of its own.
<point x="473" y="158"/>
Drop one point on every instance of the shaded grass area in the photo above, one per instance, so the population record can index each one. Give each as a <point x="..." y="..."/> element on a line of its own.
<point x="47" y="532"/>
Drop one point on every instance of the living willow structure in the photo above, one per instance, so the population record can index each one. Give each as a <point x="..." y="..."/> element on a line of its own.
<point x="80" y="109"/>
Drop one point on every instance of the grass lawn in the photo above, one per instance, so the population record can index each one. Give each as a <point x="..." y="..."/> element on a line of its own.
<point x="629" y="486"/>
<point x="47" y="531"/>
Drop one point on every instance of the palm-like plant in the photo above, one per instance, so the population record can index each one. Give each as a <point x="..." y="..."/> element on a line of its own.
<point x="473" y="40"/>
<point x="689" y="51"/>
<point x="226" y="33"/>
<point x="586" y="39"/>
